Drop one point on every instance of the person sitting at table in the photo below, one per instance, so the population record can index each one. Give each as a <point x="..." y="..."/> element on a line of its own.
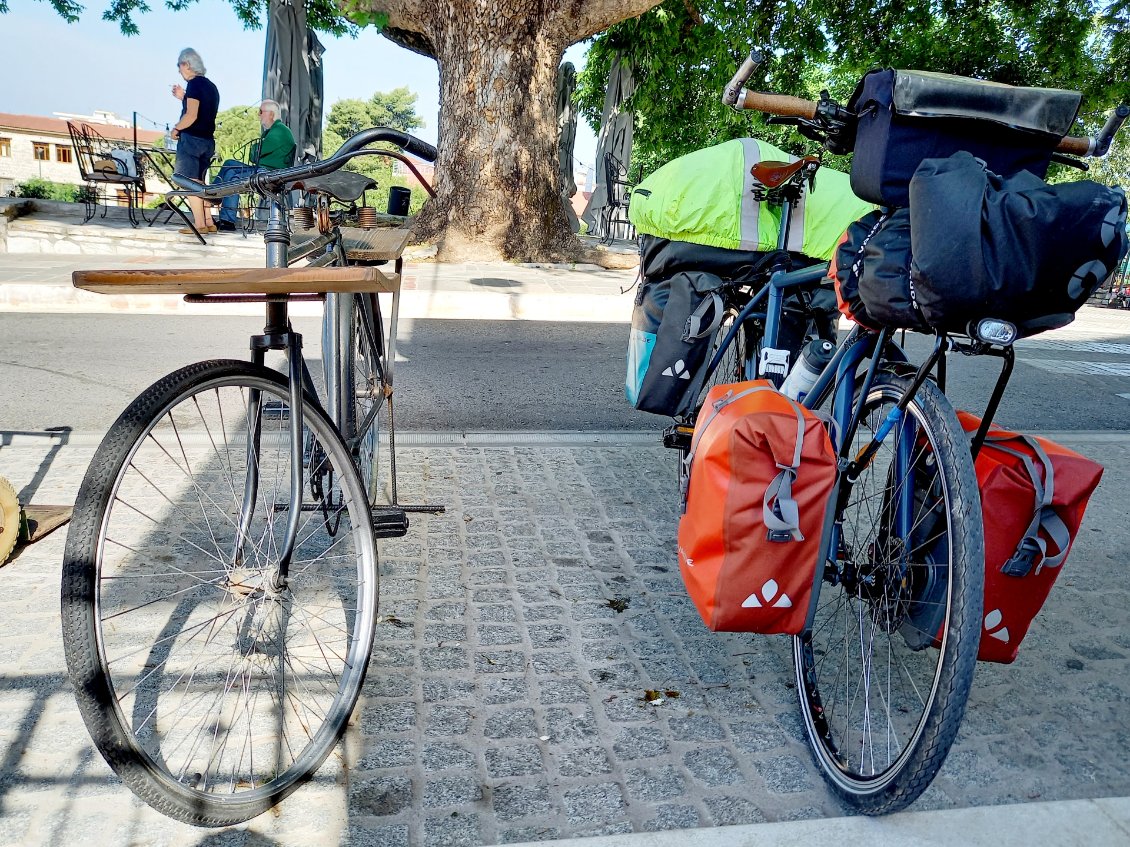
<point x="274" y="149"/>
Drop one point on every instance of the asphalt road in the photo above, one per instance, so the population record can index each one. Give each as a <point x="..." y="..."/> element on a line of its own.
<point x="80" y="371"/>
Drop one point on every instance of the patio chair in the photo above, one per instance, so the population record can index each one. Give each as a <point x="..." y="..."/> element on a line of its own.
<point x="615" y="210"/>
<point x="100" y="169"/>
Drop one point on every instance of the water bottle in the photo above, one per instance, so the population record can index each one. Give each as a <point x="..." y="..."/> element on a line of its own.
<point x="170" y="142"/>
<point x="814" y="356"/>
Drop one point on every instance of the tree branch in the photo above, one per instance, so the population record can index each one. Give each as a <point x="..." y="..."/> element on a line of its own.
<point x="410" y="15"/>
<point x="417" y="42"/>
<point x="588" y="17"/>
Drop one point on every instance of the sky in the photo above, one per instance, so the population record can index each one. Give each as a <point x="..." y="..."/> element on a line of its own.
<point x="52" y="66"/>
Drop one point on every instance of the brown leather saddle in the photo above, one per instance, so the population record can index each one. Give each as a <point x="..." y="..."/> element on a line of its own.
<point x="772" y="174"/>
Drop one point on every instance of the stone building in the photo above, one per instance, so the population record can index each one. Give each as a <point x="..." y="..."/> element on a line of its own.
<point x="34" y="146"/>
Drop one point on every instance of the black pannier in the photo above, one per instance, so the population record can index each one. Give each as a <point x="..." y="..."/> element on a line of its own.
<point x="678" y="309"/>
<point x="975" y="245"/>
<point x="908" y="116"/>
<point x="673" y="325"/>
<point x="1009" y="247"/>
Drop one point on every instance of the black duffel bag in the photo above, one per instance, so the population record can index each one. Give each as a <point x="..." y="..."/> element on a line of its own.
<point x="1014" y="247"/>
<point x="905" y="117"/>
<point x="871" y="270"/>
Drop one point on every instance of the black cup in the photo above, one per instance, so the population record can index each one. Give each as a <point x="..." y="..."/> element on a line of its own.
<point x="398" y="200"/>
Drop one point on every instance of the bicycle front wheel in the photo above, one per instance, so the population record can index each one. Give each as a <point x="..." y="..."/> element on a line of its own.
<point x="209" y="689"/>
<point x="884" y="675"/>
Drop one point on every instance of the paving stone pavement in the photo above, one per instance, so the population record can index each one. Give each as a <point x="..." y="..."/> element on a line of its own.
<point x="519" y="632"/>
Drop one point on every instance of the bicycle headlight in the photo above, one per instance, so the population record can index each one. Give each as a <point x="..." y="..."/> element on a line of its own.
<point x="995" y="331"/>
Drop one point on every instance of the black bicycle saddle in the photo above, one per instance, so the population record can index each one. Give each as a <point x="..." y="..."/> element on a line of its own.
<point x="344" y="186"/>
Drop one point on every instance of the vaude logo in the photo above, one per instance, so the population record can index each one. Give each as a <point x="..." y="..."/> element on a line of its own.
<point x="683" y="555"/>
<point x="768" y="592"/>
<point x="679" y="369"/>
<point x="993" y="626"/>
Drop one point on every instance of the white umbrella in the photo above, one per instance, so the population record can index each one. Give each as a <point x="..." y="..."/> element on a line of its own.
<point x="615" y="137"/>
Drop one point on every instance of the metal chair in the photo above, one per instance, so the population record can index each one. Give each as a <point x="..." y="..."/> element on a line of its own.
<point x="615" y="210"/>
<point x="99" y="169"/>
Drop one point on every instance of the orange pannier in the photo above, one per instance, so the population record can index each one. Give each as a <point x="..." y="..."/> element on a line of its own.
<point x="1033" y="495"/>
<point x="761" y="470"/>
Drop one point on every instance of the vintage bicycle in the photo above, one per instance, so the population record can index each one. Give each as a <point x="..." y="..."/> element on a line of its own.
<point x="881" y="692"/>
<point x="220" y="580"/>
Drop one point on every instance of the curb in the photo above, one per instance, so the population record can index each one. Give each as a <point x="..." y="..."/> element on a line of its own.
<point x="434" y="304"/>
<point x="1076" y="822"/>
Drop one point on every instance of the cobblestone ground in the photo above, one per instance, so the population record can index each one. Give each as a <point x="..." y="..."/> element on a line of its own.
<point x="519" y="633"/>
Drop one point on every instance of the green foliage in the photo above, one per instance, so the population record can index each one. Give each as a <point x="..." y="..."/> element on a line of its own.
<point x="235" y="129"/>
<point x="683" y="56"/>
<point x="396" y="109"/>
<point x="44" y="189"/>
<point x="322" y="15"/>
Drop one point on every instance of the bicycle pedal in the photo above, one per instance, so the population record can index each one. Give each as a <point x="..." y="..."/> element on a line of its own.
<point x="678" y="436"/>
<point x="389" y="521"/>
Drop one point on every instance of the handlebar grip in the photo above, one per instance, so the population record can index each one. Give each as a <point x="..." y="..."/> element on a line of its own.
<point x="1075" y="146"/>
<point x="421" y="148"/>
<point x="394" y="136"/>
<point x="778" y="104"/>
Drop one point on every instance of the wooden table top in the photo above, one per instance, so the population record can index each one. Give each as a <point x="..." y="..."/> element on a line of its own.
<point x="237" y="281"/>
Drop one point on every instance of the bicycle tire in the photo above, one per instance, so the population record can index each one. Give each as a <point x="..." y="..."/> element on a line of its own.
<point x="363" y="388"/>
<point x="732" y="366"/>
<point x="210" y="693"/>
<point x="881" y="696"/>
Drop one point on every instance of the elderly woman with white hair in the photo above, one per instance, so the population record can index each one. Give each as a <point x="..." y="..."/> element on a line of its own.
<point x="195" y="132"/>
<point x="274" y="150"/>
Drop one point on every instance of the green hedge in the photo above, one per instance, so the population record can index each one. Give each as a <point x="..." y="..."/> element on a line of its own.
<point x="44" y="189"/>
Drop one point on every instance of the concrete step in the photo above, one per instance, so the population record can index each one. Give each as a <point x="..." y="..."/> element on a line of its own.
<point x="59" y="235"/>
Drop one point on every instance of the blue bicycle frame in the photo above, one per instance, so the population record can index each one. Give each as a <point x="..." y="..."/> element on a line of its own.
<point x="841" y="375"/>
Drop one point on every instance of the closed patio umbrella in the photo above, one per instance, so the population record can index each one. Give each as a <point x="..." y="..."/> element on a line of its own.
<point x="292" y="74"/>
<point x="566" y="138"/>
<point x="615" y="136"/>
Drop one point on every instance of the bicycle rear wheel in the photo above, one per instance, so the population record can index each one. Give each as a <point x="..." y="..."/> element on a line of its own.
<point x="884" y="675"/>
<point x="363" y="385"/>
<point x="732" y="365"/>
<point x="210" y="691"/>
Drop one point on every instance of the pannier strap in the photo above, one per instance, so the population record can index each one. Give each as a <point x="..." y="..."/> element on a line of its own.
<point x="779" y="509"/>
<point x="696" y="327"/>
<point x="1033" y="549"/>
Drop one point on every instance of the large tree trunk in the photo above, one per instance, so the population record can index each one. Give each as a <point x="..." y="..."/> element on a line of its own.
<point x="497" y="181"/>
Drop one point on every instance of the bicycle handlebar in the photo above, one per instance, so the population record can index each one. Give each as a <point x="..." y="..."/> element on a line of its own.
<point x="783" y="104"/>
<point x="268" y="182"/>
<point x="731" y="92"/>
